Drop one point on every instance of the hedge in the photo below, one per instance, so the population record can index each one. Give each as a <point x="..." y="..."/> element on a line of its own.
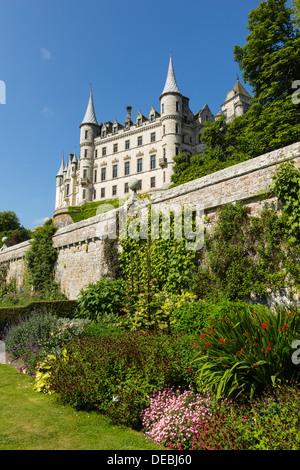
<point x="61" y="308"/>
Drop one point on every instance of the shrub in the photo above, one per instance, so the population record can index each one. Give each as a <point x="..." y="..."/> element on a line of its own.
<point x="12" y="315"/>
<point x="115" y="374"/>
<point x="245" y="352"/>
<point x="194" y="316"/>
<point x="184" y="420"/>
<point x="39" y="335"/>
<point x="101" y="301"/>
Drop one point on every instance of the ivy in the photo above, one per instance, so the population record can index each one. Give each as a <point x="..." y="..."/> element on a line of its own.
<point x="40" y="260"/>
<point x="247" y="255"/>
<point x="287" y="189"/>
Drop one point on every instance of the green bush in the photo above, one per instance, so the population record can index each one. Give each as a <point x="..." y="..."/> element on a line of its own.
<point x="246" y="352"/>
<point x="101" y="330"/>
<point x="12" y="315"/>
<point x="42" y="334"/>
<point x="194" y="316"/>
<point x="115" y="374"/>
<point x="101" y="301"/>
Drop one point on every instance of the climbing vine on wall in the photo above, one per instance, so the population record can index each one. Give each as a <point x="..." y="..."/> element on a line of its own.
<point x="40" y="260"/>
<point x="287" y="189"/>
<point x="246" y="255"/>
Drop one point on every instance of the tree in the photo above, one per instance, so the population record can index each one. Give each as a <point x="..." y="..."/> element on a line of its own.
<point x="11" y="228"/>
<point x="270" y="60"/>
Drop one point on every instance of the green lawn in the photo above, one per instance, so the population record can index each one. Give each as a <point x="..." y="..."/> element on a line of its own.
<point x="33" y="421"/>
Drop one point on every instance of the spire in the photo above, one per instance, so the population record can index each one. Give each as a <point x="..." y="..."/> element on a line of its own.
<point x="90" y="116"/>
<point x="171" y="84"/>
<point x="61" y="170"/>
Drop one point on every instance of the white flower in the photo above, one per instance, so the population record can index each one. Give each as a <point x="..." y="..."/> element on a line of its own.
<point x="115" y="398"/>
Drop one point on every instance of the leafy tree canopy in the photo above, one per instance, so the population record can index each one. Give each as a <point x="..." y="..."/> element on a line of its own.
<point x="11" y="228"/>
<point x="270" y="61"/>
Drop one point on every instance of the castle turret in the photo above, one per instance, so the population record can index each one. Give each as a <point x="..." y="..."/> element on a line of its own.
<point x="59" y="182"/>
<point x="171" y="120"/>
<point x="237" y="102"/>
<point x="89" y="129"/>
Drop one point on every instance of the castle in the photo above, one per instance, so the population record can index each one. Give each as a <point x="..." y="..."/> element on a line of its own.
<point x="112" y="153"/>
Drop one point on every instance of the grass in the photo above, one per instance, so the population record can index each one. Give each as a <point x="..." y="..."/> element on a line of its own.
<point x="33" y="421"/>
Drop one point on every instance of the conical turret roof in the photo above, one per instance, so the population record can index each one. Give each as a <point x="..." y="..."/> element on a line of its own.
<point x="171" y="84"/>
<point x="90" y="115"/>
<point x="61" y="170"/>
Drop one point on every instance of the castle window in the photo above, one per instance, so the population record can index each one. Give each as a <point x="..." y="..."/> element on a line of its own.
<point x="95" y="193"/>
<point x="96" y="153"/>
<point x="164" y="129"/>
<point x="176" y="128"/>
<point x="115" y="129"/>
<point x="164" y="152"/>
<point x="152" y="117"/>
<point x="103" y="133"/>
<point x="152" y="182"/>
<point x="140" y="140"/>
<point x="127" y="144"/>
<point x="126" y="188"/>
<point x="102" y="192"/>
<point x="84" y="173"/>
<point x="162" y="108"/>
<point x="103" y="174"/>
<point x="139" y="121"/>
<point x="140" y="184"/>
<point x="153" y="162"/>
<point x="83" y="194"/>
<point x="103" y="151"/>
<point x="68" y="190"/>
<point x="177" y="106"/>
<point x="164" y="177"/>
<point x="153" y="138"/>
<point x="114" y="190"/>
<point x="115" y="148"/>
<point x="176" y="150"/>
<point x="115" y="171"/>
<point x="95" y="176"/>
<point x="85" y="153"/>
<point x="86" y="134"/>
<point x="127" y="168"/>
<point x="139" y="165"/>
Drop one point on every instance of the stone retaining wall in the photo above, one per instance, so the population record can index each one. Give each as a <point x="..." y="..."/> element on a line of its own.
<point x="80" y="246"/>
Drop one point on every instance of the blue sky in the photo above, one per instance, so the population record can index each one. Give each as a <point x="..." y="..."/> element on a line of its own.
<point x="51" y="51"/>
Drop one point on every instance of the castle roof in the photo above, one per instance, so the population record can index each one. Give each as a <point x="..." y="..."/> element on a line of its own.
<point x="90" y="116"/>
<point x="238" y="89"/>
<point x="61" y="170"/>
<point x="171" y="84"/>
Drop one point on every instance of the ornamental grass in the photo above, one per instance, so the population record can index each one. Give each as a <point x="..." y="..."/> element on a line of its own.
<point x="243" y="353"/>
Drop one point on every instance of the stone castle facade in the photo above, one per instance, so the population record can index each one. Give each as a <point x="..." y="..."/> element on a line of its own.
<point x="111" y="153"/>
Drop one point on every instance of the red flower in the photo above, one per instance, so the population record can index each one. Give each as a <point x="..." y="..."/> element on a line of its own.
<point x="207" y="344"/>
<point x="264" y="325"/>
<point x="290" y="313"/>
<point x="203" y="335"/>
<point x="268" y="348"/>
<point x="222" y="340"/>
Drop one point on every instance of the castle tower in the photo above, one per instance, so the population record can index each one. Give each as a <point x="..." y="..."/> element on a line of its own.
<point x="237" y="102"/>
<point x="171" y="121"/>
<point x="59" y="183"/>
<point x="89" y="129"/>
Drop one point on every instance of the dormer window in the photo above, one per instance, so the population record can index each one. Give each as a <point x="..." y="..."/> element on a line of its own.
<point x="152" y="117"/>
<point x="103" y="133"/>
<point x="139" y="121"/>
<point x="115" y="129"/>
